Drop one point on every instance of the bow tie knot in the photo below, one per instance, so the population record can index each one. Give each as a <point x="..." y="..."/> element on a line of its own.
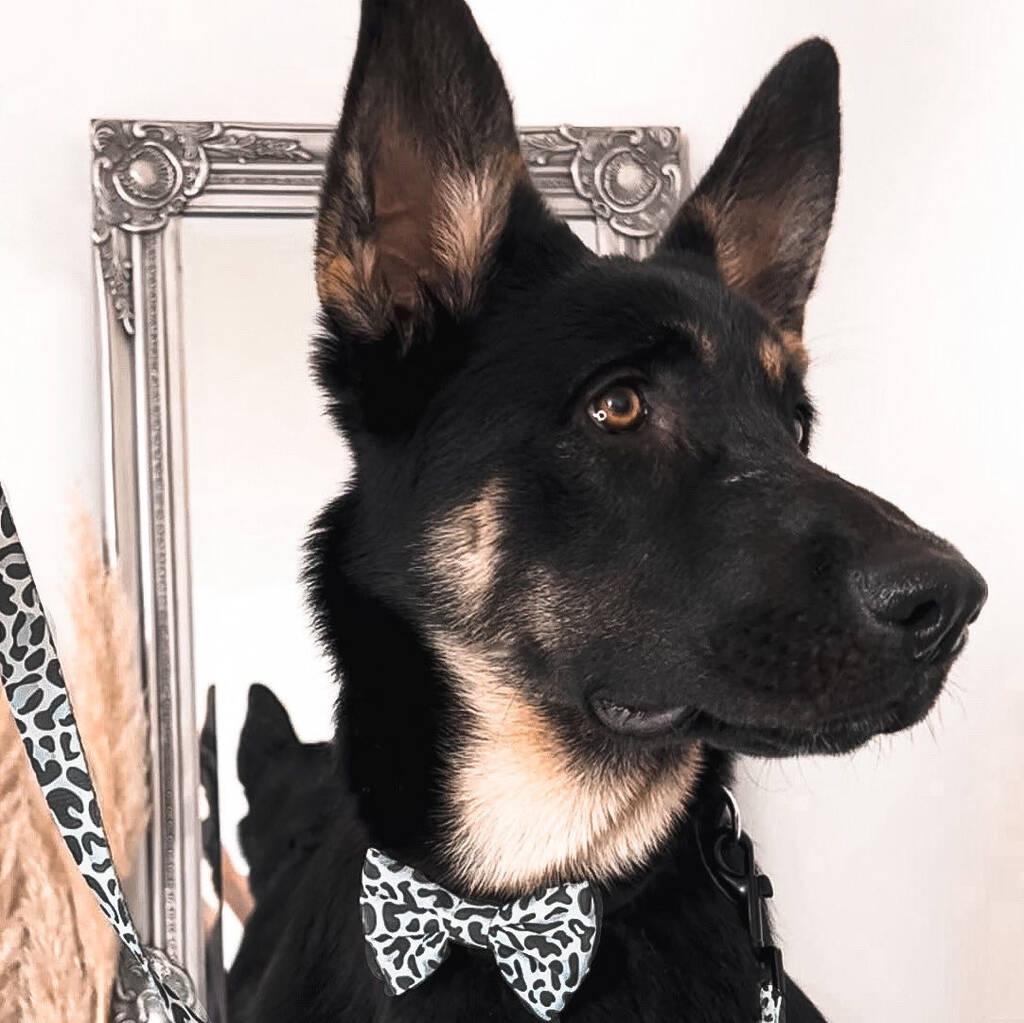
<point x="543" y="944"/>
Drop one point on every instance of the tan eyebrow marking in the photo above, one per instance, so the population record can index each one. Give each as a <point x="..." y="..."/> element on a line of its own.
<point x="780" y="353"/>
<point x="773" y="358"/>
<point x="706" y="347"/>
<point x="703" y="341"/>
<point x="793" y="342"/>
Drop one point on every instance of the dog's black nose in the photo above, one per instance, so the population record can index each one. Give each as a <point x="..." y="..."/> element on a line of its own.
<point x="927" y="596"/>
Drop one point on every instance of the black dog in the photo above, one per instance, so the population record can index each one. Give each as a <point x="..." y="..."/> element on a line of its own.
<point x="586" y="558"/>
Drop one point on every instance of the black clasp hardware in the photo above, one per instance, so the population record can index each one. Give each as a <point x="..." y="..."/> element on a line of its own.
<point x="729" y="859"/>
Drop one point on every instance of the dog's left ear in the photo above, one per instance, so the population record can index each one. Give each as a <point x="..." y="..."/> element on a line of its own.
<point x="420" y="174"/>
<point x="764" y="209"/>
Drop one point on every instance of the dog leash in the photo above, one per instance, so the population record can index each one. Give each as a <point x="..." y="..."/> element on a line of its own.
<point x="34" y="685"/>
<point x="728" y="856"/>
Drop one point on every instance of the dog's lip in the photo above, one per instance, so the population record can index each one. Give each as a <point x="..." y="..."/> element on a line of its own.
<point x="626" y="719"/>
<point x="840" y="734"/>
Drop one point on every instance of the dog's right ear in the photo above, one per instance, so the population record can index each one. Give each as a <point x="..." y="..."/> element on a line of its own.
<point x="420" y="174"/>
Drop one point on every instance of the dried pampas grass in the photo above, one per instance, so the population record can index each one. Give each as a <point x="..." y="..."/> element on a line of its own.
<point x="58" y="955"/>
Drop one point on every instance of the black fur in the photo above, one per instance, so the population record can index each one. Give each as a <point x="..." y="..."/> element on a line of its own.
<point x="699" y="565"/>
<point x="692" y="963"/>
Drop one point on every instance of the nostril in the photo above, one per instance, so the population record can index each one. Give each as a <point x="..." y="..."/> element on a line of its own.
<point x="924" y="619"/>
<point x="924" y="616"/>
<point x="935" y="628"/>
<point x="926" y="600"/>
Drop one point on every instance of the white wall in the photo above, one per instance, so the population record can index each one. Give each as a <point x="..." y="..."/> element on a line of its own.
<point x="899" y="871"/>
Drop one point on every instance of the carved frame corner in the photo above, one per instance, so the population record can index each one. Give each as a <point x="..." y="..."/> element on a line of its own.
<point x="145" y="172"/>
<point x="631" y="179"/>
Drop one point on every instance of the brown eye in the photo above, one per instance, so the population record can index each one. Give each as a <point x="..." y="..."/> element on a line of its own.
<point x="620" y="407"/>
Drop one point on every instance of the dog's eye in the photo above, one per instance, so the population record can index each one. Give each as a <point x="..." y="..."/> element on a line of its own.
<point x="618" y="408"/>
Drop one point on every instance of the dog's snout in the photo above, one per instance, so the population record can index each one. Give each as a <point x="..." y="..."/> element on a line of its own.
<point x="927" y="597"/>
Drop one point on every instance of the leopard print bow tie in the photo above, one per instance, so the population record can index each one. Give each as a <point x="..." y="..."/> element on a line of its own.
<point x="543" y="944"/>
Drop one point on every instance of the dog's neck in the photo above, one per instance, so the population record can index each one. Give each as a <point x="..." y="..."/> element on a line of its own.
<point x="459" y="772"/>
<point x="526" y="808"/>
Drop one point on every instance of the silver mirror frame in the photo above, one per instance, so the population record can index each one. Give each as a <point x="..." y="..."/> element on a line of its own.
<point x="146" y="177"/>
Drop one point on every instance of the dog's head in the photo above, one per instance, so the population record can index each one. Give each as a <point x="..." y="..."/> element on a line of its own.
<point x="588" y="478"/>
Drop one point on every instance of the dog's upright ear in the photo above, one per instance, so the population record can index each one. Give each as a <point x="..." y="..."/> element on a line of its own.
<point x="420" y="173"/>
<point x="763" y="210"/>
<point x="267" y="734"/>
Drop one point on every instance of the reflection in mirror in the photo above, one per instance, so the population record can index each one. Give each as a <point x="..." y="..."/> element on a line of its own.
<point x="262" y="461"/>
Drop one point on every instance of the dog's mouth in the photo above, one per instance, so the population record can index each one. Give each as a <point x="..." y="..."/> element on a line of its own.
<point x="832" y="735"/>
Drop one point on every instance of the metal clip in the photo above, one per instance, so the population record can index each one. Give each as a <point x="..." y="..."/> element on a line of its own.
<point x="735" y="873"/>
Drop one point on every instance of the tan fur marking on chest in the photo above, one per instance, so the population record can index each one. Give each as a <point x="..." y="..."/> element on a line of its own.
<point x="525" y="814"/>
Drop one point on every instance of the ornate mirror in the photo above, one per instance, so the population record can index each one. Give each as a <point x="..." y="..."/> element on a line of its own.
<point x="217" y="456"/>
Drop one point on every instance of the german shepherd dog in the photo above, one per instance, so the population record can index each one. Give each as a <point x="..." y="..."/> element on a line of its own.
<point x="586" y="559"/>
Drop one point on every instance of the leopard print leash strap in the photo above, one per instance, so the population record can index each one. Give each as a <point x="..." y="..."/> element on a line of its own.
<point x="34" y="685"/>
